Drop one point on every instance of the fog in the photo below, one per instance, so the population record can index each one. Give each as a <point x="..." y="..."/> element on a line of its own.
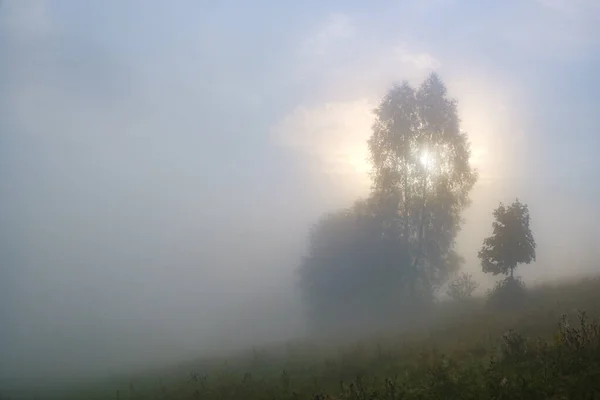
<point x="161" y="164"/>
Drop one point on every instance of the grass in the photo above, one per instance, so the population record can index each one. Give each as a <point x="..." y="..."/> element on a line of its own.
<point x="547" y="349"/>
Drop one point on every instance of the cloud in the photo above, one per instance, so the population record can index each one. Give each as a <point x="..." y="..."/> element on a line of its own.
<point x="333" y="134"/>
<point x="335" y="28"/>
<point x="420" y="61"/>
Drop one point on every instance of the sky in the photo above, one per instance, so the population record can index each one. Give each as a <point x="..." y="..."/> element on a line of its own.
<point x="162" y="162"/>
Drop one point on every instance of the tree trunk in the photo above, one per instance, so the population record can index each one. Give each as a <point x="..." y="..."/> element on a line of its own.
<point x="421" y="233"/>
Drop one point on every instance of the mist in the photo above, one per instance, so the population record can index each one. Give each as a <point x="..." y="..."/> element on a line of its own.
<point x="161" y="165"/>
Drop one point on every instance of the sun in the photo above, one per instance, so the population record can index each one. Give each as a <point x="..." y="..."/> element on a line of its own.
<point x="427" y="158"/>
<point x="424" y="158"/>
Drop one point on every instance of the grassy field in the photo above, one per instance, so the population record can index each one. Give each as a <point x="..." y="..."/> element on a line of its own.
<point x="548" y="348"/>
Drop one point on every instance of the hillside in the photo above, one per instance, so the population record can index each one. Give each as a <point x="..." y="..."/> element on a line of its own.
<point x="549" y="348"/>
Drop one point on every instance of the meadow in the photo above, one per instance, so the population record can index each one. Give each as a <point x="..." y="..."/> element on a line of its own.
<point x="547" y="347"/>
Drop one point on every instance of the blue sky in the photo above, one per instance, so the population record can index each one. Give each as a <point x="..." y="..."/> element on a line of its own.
<point x="189" y="145"/>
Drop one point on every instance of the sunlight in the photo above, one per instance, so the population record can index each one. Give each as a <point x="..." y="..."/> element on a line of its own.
<point x="336" y="134"/>
<point x="358" y="159"/>
<point x="426" y="159"/>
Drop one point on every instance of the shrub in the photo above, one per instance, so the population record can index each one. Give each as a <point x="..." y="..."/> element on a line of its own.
<point x="462" y="287"/>
<point x="509" y="293"/>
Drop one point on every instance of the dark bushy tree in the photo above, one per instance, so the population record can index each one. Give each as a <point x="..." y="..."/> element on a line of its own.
<point x="347" y="276"/>
<point x="511" y="242"/>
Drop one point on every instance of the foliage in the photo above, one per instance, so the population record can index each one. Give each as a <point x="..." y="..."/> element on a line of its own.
<point x="348" y="272"/>
<point x="390" y="251"/>
<point x="507" y="293"/>
<point x="511" y="243"/>
<point x="421" y="175"/>
<point x="462" y="287"/>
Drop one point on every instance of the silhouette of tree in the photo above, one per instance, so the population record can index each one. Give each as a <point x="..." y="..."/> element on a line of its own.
<point x="347" y="274"/>
<point x="421" y="177"/>
<point x="511" y="243"/>
<point x="395" y="247"/>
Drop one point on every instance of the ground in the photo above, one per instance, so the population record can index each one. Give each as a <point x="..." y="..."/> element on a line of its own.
<point x="548" y="348"/>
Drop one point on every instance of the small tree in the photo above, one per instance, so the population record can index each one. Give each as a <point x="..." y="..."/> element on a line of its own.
<point x="511" y="242"/>
<point x="462" y="287"/>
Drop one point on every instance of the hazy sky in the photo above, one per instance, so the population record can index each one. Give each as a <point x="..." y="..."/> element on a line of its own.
<point x="162" y="161"/>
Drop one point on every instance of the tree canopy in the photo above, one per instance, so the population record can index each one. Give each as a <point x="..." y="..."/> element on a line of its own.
<point x="421" y="174"/>
<point x="511" y="242"/>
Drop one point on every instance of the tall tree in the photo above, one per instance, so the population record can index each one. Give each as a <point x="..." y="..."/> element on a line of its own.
<point x="511" y="243"/>
<point x="421" y="176"/>
<point x="393" y="248"/>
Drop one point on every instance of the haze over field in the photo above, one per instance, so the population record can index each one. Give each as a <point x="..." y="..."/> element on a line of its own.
<point x="161" y="163"/>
